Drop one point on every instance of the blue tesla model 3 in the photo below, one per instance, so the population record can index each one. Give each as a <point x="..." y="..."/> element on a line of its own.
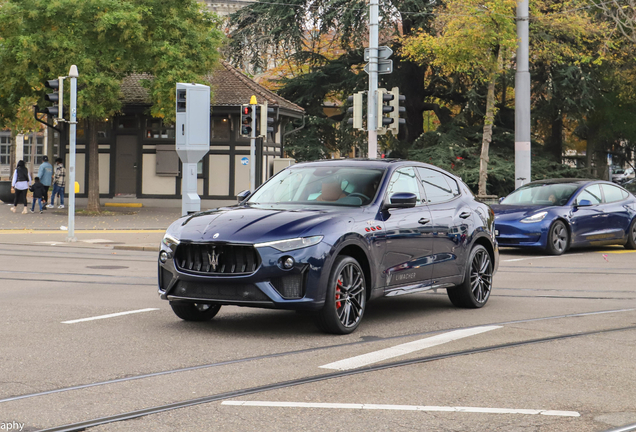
<point x="557" y="214"/>
<point x="328" y="237"/>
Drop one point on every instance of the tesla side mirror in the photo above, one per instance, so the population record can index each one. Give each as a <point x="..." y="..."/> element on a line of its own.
<point x="584" y="203"/>
<point x="501" y="199"/>
<point x="402" y="200"/>
<point x="242" y="196"/>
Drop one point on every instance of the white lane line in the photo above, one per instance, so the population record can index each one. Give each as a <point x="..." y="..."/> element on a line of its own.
<point x="109" y="315"/>
<point x="402" y="408"/>
<point x="541" y="257"/>
<point x="406" y="348"/>
<point x="97" y="241"/>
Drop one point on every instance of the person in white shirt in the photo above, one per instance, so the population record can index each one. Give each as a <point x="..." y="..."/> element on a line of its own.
<point x="20" y="182"/>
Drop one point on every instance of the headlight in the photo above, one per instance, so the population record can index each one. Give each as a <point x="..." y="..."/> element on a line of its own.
<point x="170" y="240"/>
<point x="535" y="217"/>
<point x="291" y="244"/>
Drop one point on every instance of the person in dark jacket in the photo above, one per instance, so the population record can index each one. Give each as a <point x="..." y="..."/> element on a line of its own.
<point x="20" y="183"/>
<point x="39" y="192"/>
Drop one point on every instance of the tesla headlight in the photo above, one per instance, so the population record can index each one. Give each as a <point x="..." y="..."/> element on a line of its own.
<point x="170" y="240"/>
<point x="291" y="244"/>
<point x="535" y="217"/>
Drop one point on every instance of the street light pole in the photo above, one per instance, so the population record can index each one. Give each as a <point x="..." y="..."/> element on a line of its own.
<point x="522" y="99"/>
<point x="73" y="74"/>
<point x="372" y="104"/>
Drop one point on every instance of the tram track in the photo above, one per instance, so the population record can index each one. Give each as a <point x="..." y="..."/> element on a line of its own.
<point x="81" y="426"/>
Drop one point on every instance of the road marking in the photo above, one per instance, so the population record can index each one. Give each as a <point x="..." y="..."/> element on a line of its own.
<point x="97" y="241"/>
<point x="406" y="348"/>
<point x="541" y="257"/>
<point x="617" y="251"/>
<point x="402" y="408"/>
<point x="109" y="315"/>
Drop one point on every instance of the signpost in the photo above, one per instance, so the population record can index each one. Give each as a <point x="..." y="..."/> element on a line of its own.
<point x="73" y="75"/>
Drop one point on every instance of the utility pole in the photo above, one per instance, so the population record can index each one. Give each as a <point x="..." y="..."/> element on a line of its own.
<point x="372" y="105"/>
<point x="522" y="99"/>
<point x="253" y="104"/>
<point x="73" y="74"/>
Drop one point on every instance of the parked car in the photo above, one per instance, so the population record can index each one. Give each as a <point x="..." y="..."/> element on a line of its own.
<point x="630" y="186"/>
<point x="555" y="215"/>
<point x="621" y="175"/>
<point x="329" y="236"/>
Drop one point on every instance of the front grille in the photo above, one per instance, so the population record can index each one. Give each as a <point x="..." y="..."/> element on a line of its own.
<point x="223" y="291"/>
<point x="216" y="259"/>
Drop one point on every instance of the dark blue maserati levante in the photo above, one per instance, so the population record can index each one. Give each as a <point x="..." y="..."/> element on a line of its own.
<point x="557" y="214"/>
<point x="328" y="237"/>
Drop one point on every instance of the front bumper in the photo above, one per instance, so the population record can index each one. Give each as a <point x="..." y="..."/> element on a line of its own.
<point x="517" y="234"/>
<point x="300" y="288"/>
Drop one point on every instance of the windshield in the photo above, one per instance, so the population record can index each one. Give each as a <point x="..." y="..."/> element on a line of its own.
<point x="320" y="186"/>
<point x="541" y="194"/>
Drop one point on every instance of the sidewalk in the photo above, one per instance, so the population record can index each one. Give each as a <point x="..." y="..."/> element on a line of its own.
<point x="123" y="228"/>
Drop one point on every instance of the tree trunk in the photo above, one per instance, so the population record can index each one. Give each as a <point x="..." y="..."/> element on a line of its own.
<point x="93" y="166"/>
<point x="487" y="136"/>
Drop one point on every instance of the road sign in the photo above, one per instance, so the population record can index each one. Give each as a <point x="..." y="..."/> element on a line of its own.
<point x="384" y="52"/>
<point x="245" y="161"/>
<point x="384" y="67"/>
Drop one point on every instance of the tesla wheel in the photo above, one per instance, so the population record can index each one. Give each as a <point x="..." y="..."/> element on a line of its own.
<point x="558" y="239"/>
<point x="631" y="236"/>
<point x="346" y="298"/>
<point x="475" y="290"/>
<point x="194" y="311"/>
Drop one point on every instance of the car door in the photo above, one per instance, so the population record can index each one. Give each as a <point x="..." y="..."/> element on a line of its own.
<point x="589" y="222"/>
<point x="409" y="246"/>
<point x="452" y="222"/>
<point x="619" y="217"/>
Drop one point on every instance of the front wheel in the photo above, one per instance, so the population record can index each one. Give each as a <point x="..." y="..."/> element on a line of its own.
<point x="558" y="239"/>
<point x="194" y="311"/>
<point x="346" y="298"/>
<point x="474" y="292"/>
<point x="631" y="236"/>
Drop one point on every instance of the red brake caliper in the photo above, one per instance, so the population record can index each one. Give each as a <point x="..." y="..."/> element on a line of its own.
<point x="338" y="286"/>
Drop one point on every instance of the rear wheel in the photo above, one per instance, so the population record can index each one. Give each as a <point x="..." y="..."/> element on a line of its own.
<point x="346" y="298"/>
<point x="558" y="238"/>
<point x="474" y="292"/>
<point x="631" y="236"/>
<point x="195" y="311"/>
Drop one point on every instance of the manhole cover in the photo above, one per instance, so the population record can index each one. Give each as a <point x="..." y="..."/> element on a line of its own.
<point x="107" y="267"/>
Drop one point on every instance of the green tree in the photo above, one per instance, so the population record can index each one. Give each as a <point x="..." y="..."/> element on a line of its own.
<point x="107" y="40"/>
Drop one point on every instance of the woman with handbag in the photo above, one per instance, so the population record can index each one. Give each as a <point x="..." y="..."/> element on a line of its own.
<point x="20" y="183"/>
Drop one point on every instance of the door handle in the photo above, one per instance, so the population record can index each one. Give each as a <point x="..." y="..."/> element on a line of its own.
<point x="464" y="215"/>
<point x="424" y="221"/>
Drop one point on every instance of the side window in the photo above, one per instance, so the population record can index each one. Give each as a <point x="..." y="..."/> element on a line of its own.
<point x="613" y="193"/>
<point x="404" y="180"/>
<point x="437" y="186"/>
<point x="591" y="193"/>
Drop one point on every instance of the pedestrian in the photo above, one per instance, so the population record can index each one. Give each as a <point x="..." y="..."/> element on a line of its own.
<point x="46" y="177"/>
<point x="38" y="190"/>
<point x="20" y="184"/>
<point x="59" y="182"/>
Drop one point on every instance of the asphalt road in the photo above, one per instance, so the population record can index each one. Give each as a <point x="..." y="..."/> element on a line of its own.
<point x="554" y="350"/>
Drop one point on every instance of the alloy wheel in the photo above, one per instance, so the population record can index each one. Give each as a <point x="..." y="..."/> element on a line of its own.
<point x="481" y="276"/>
<point x="559" y="237"/>
<point x="350" y="295"/>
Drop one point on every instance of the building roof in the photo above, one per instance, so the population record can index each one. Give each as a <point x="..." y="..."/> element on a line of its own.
<point x="229" y="87"/>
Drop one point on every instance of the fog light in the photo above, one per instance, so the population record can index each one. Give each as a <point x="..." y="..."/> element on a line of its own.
<point x="163" y="257"/>
<point x="288" y="263"/>
<point x="496" y="233"/>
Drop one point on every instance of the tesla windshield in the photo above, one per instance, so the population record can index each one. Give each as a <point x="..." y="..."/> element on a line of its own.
<point x="541" y="194"/>
<point x="320" y="186"/>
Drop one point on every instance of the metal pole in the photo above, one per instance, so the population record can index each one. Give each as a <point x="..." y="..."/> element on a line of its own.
<point x="522" y="99"/>
<point x="73" y="74"/>
<point x="372" y="105"/>
<point x="253" y="151"/>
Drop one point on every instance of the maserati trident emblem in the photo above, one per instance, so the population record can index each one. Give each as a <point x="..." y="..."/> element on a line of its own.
<point x="215" y="235"/>
<point x="213" y="259"/>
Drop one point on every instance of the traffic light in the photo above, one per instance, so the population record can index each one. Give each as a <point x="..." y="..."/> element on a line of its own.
<point x="246" y="120"/>
<point x="356" y="110"/>
<point x="57" y="98"/>
<point x="267" y="120"/>
<point x="396" y="111"/>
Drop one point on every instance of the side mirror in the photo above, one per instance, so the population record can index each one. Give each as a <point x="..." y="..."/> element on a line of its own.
<point x="242" y="196"/>
<point x="501" y="199"/>
<point x="402" y="200"/>
<point x="584" y="203"/>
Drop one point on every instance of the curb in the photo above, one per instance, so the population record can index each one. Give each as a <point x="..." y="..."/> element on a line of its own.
<point x="137" y="248"/>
